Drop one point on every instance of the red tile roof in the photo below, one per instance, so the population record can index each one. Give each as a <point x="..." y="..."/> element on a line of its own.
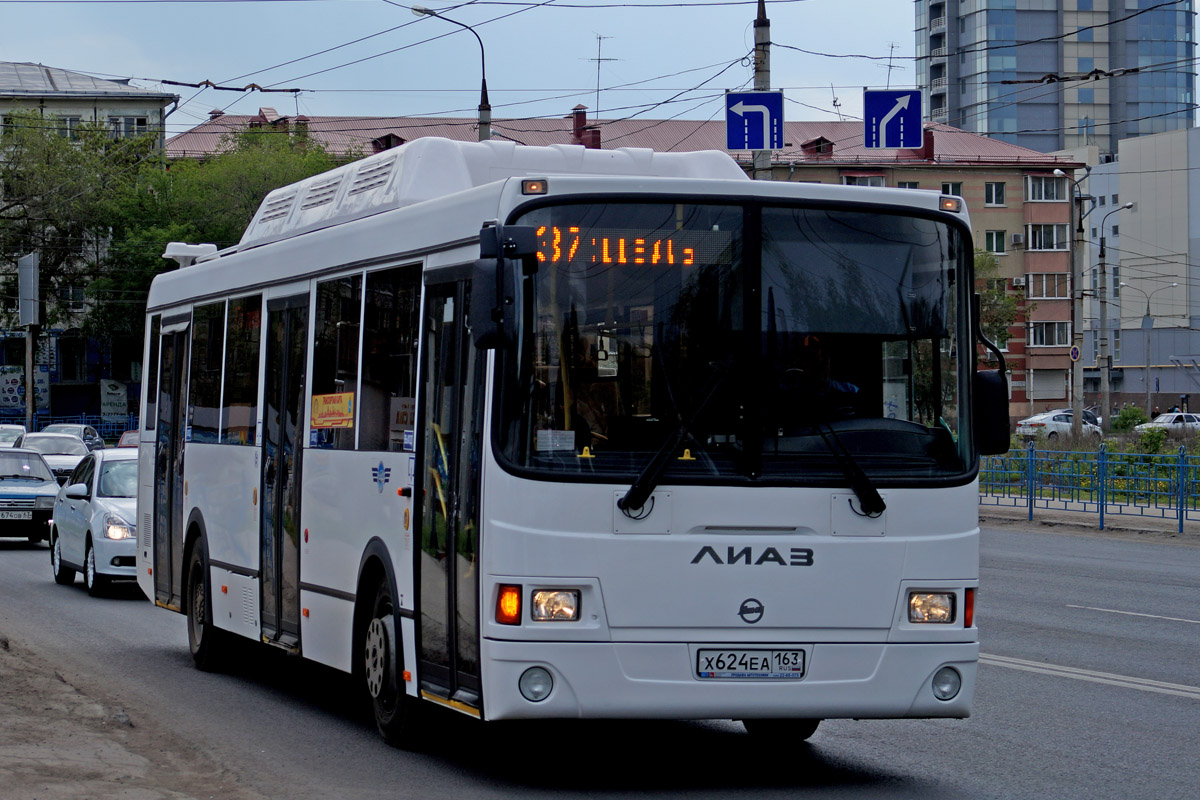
<point x="347" y="135"/>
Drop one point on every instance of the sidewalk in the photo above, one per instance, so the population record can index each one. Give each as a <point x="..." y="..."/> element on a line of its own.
<point x="1123" y="525"/>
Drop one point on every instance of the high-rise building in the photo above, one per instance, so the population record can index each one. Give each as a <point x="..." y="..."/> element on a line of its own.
<point x="1056" y="74"/>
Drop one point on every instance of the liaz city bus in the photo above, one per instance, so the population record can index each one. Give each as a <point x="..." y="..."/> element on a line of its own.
<point x="547" y="432"/>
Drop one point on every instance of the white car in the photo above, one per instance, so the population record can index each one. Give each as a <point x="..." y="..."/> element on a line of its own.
<point x="62" y="451"/>
<point x="93" y="529"/>
<point x="1175" y="423"/>
<point x="1052" y="424"/>
<point x="9" y="434"/>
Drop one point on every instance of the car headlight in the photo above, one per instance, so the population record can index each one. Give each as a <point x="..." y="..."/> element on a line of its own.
<point x="935" y="607"/>
<point x="117" y="528"/>
<point x="44" y="502"/>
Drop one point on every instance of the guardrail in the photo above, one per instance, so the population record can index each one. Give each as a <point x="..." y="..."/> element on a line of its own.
<point x="110" y="428"/>
<point x="1102" y="483"/>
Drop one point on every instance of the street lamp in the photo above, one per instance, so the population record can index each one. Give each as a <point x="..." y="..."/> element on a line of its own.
<point x="1077" y="216"/>
<point x="485" y="108"/>
<point x="1147" y="327"/>
<point x="1102" y="356"/>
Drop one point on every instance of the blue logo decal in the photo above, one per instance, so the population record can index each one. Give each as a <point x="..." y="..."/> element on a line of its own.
<point x="380" y="475"/>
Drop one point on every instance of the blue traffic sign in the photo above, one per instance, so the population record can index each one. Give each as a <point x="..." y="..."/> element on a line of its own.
<point x="754" y="120"/>
<point x="892" y="119"/>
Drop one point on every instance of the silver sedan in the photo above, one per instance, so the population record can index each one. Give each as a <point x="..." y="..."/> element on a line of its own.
<point x="93" y="530"/>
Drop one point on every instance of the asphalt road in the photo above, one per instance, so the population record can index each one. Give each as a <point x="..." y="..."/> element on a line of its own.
<point x="1089" y="688"/>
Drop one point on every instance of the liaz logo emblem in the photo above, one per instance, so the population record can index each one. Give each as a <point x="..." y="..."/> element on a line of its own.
<point x="751" y="611"/>
<point x="380" y="475"/>
<point x="796" y="556"/>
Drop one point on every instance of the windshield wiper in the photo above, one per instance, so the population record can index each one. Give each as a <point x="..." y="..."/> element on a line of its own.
<point x="869" y="499"/>
<point x="23" y="477"/>
<point x="650" y="475"/>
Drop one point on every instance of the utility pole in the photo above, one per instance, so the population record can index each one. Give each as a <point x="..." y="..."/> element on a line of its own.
<point x="1105" y="362"/>
<point x="1077" y="215"/>
<point x="762" y="81"/>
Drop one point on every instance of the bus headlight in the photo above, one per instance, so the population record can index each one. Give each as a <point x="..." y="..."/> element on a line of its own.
<point x="935" y="607"/>
<point x="117" y="528"/>
<point x="555" y="605"/>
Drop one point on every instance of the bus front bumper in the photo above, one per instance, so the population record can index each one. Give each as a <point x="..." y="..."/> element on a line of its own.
<point x="658" y="681"/>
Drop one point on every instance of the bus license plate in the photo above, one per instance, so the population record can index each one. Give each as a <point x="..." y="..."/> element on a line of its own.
<point x="16" y="515"/>
<point x="750" y="664"/>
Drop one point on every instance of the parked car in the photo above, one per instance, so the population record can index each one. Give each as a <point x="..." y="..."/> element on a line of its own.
<point x="1174" y="423"/>
<point x="128" y="439"/>
<point x="62" y="451"/>
<point x="93" y="530"/>
<point x="27" y="492"/>
<point x="1089" y="415"/>
<point x="87" y="433"/>
<point x="9" y="434"/>
<point x="1053" y="424"/>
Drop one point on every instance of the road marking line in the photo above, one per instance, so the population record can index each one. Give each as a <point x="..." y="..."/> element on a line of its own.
<point x="1107" y="678"/>
<point x="1136" y="614"/>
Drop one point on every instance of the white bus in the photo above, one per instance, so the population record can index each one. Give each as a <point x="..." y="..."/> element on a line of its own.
<point x="546" y="432"/>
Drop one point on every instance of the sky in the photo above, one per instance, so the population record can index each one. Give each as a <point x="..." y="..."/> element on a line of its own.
<point x="376" y="58"/>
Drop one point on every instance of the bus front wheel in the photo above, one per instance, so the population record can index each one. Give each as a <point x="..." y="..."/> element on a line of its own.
<point x="781" y="729"/>
<point x="382" y="667"/>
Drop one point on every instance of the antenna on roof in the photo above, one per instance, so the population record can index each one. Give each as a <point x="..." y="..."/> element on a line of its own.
<point x="599" y="41"/>
<point x="837" y="106"/>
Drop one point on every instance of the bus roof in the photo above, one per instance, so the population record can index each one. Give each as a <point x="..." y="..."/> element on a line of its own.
<point x="432" y="167"/>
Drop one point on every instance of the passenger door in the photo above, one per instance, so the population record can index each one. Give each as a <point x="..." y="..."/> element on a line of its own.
<point x="168" y="461"/>
<point x="71" y="515"/>
<point x="283" y="421"/>
<point x="451" y="454"/>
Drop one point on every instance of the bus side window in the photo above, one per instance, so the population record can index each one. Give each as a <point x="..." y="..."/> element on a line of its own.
<point x="387" y="407"/>
<point x="335" y="362"/>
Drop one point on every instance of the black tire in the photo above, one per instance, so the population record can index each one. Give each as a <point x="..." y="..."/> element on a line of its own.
<point x="1051" y="436"/>
<point x="780" y="731"/>
<point x="382" y="665"/>
<point x="95" y="582"/>
<point x="207" y="642"/>
<point x="63" y="575"/>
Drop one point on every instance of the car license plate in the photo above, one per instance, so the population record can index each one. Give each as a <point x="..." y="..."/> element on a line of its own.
<point x="750" y="663"/>
<point x="16" y="515"/>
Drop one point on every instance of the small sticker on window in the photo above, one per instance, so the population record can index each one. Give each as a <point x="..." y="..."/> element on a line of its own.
<point x="548" y="441"/>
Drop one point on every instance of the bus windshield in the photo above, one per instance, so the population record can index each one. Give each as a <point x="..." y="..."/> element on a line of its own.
<point x="758" y="342"/>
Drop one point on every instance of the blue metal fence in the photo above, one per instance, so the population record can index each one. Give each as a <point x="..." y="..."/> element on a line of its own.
<point x="1102" y="483"/>
<point x="110" y="428"/>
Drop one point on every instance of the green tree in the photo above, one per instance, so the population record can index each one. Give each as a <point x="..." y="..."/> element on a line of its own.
<point x="56" y="185"/>
<point x="997" y="309"/>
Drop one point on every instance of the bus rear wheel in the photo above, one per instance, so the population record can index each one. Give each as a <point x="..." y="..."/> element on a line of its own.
<point x="781" y="730"/>
<point x="381" y="669"/>
<point x="204" y="639"/>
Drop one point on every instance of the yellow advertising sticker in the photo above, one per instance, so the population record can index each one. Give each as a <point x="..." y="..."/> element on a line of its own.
<point x="333" y="410"/>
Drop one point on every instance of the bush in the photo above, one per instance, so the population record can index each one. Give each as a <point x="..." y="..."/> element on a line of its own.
<point x="1151" y="441"/>
<point x="1128" y="417"/>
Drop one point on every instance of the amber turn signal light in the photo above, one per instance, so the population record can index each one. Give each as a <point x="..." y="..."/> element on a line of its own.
<point x="508" y="605"/>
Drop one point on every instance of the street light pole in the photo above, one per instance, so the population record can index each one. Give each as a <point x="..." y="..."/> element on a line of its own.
<point x="1147" y="328"/>
<point x="485" y="108"/>
<point x="1077" y="215"/>
<point x="1102" y="356"/>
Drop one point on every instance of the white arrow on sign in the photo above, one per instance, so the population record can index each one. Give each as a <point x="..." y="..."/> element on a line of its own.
<point x="741" y="109"/>
<point x="901" y="104"/>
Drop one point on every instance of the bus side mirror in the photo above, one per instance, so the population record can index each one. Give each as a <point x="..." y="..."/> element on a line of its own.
<point x="991" y="412"/>
<point x="494" y="284"/>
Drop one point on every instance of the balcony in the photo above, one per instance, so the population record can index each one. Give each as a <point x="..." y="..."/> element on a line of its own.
<point x="937" y="25"/>
<point x="939" y="114"/>
<point x="938" y="85"/>
<point x="938" y="54"/>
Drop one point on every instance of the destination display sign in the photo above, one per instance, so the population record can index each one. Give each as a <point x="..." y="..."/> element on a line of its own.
<point x="576" y="244"/>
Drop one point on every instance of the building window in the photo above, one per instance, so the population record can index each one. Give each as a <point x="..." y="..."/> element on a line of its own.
<point x="71" y="298"/>
<point x="1114" y="199"/>
<point x="72" y="358"/>
<point x="1087" y="96"/>
<point x="1101" y="199"/>
<point x="68" y="127"/>
<point x="127" y="127"/>
<point x="1042" y="188"/>
<point x="1116" y="281"/>
<point x="1048" y="285"/>
<point x="907" y="185"/>
<point x="993" y="194"/>
<point x="1050" y="334"/>
<point x="954" y="188"/>
<point x="1116" y="229"/>
<point x="993" y="242"/>
<point x="862" y="180"/>
<point x="1046" y="237"/>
